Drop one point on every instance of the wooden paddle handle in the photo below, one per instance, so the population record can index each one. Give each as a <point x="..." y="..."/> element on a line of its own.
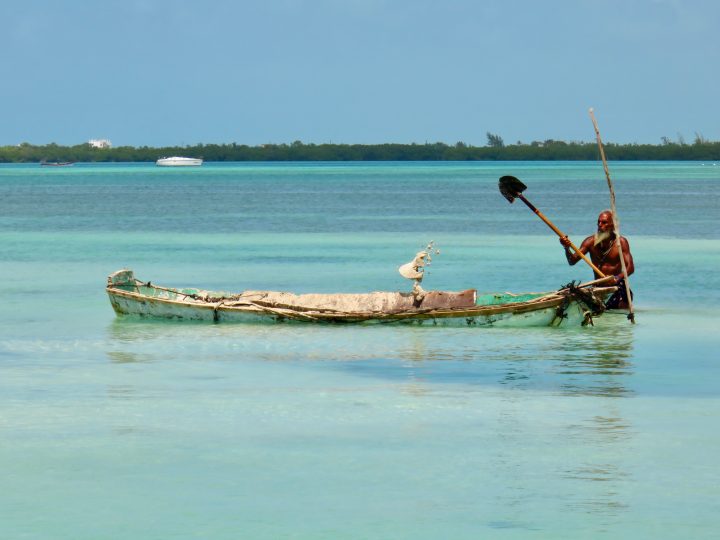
<point x="560" y="234"/>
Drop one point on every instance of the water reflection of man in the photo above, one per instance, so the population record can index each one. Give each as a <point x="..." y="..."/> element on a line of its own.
<point x="604" y="253"/>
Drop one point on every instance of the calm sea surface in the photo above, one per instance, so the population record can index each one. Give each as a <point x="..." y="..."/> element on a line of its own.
<point x="136" y="429"/>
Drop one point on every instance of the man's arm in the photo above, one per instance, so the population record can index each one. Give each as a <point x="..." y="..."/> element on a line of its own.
<point x="627" y="256"/>
<point x="573" y="258"/>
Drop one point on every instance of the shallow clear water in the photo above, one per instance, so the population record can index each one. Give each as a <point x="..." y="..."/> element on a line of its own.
<point x="124" y="428"/>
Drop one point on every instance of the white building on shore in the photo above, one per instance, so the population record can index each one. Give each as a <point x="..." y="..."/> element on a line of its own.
<point x="100" y="143"/>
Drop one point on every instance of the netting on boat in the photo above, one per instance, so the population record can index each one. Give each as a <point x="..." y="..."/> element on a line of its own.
<point x="586" y="297"/>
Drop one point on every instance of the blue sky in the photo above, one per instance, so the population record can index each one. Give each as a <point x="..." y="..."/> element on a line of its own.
<point x="176" y="72"/>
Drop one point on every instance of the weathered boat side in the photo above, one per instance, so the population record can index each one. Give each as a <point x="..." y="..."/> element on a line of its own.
<point x="130" y="296"/>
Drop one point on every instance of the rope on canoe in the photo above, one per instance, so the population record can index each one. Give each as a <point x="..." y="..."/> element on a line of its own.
<point x="594" y="305"/>
<point x="201" y="297"/>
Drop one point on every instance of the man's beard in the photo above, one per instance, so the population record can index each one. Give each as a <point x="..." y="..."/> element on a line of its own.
<point x="601" y="236"/>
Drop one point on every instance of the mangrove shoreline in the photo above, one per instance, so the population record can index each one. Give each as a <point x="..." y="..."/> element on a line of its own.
<point x="550" y="150"/>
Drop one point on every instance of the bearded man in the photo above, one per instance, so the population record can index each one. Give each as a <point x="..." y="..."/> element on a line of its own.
<point x="604" y="253"/>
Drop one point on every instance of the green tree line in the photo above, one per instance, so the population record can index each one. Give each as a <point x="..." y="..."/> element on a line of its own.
<point x="496" y="149"/>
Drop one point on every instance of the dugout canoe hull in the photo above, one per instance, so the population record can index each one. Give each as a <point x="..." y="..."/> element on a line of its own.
<point x="567" y="306"/>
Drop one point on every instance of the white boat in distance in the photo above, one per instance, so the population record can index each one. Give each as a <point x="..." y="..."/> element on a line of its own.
<point x="178" y="162"/>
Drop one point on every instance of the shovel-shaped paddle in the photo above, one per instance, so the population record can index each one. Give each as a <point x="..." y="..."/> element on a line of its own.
<point x="511" y="188"/>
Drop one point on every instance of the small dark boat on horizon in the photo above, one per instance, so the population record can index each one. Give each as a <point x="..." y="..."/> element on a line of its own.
<point x="56" y="163"/>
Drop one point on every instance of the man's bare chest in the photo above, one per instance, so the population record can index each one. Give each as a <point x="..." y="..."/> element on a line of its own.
<point x="605" y="252"/>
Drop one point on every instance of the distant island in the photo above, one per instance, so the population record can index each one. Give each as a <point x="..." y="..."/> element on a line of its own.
<point x="495" y="150"/>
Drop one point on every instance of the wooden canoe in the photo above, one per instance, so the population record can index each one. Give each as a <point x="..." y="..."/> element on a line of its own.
<point x="568" y="305"/>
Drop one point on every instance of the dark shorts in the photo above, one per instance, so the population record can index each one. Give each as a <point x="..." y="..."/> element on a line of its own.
<point x="619" y="298"/>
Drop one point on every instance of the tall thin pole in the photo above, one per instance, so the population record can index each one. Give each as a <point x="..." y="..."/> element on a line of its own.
<point x="616" y="219"/>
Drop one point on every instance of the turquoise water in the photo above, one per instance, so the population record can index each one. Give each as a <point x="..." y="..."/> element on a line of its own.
<point x="121" y="428"/>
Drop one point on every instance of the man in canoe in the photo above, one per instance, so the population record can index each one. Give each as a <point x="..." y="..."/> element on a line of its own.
<point x="604" y="253"/>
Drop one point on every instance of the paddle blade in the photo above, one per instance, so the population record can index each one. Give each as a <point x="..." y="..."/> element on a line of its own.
<point x="511" y="187"/>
